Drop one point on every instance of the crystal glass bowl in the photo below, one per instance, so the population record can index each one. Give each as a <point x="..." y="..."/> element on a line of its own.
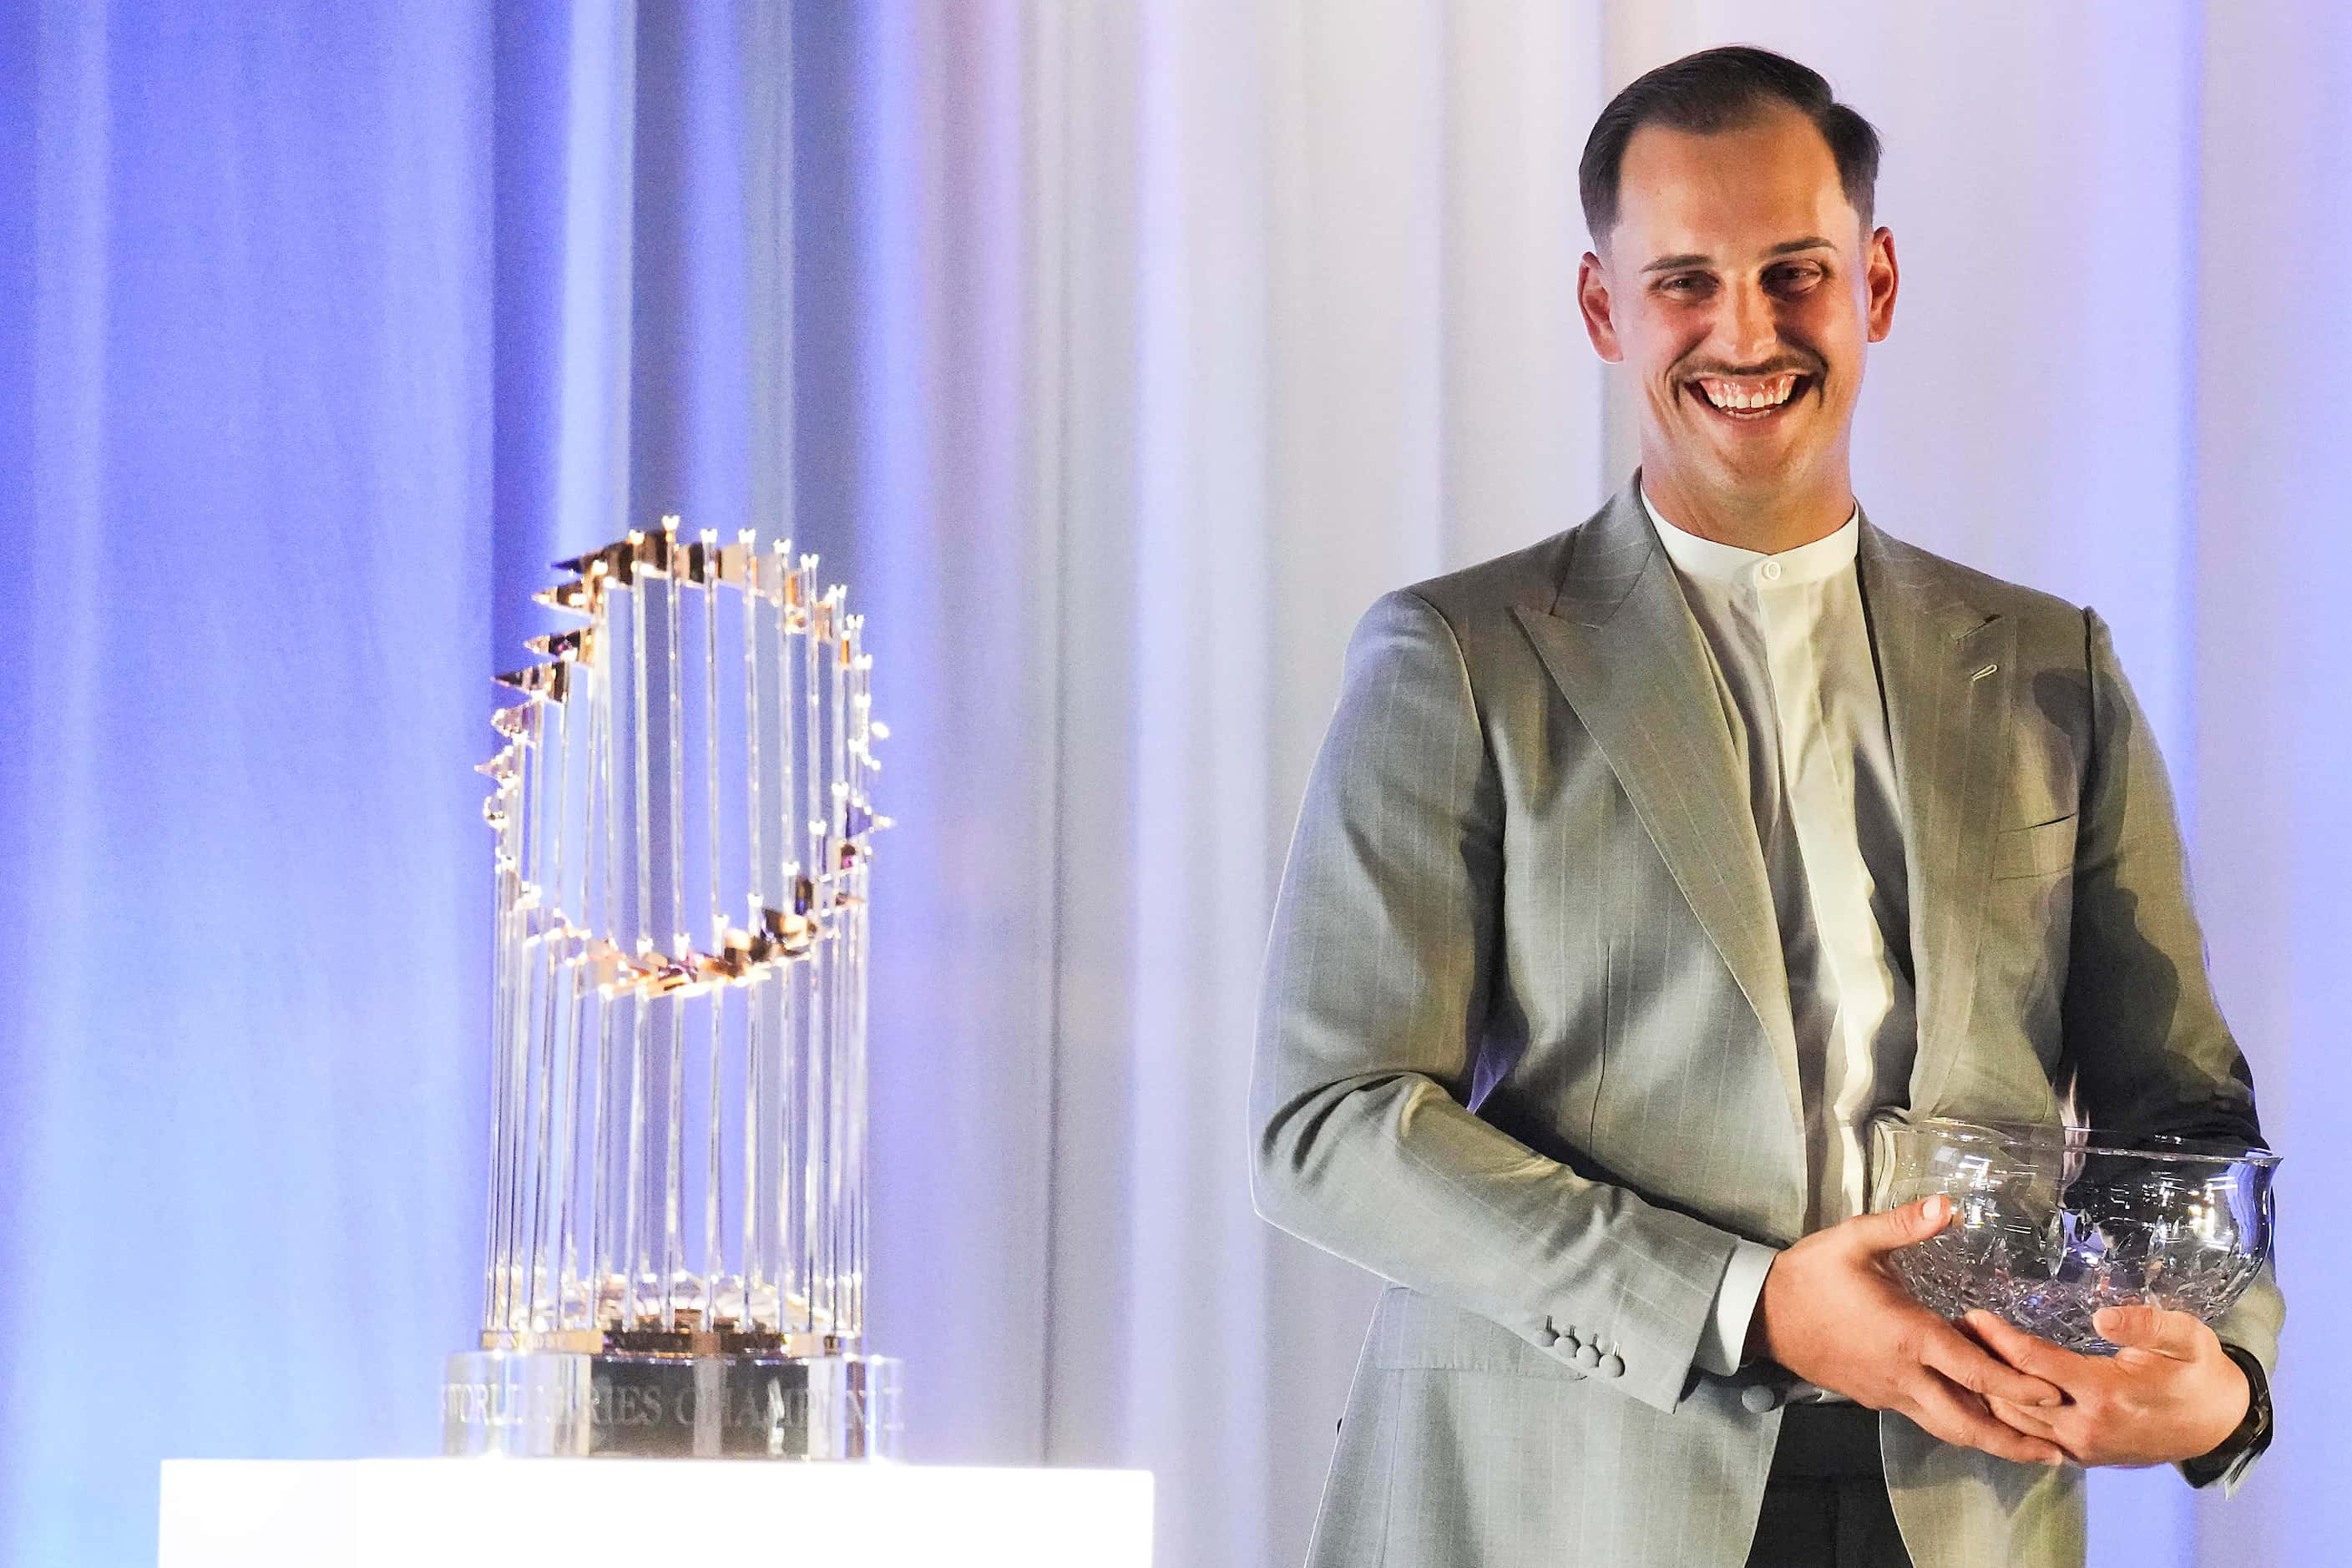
<point x="2055" y="1223"/>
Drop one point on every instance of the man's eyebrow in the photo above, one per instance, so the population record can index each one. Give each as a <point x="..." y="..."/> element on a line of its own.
<point x="1693" y="258"/>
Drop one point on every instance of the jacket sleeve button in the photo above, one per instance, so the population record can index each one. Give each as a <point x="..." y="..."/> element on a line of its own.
<point x="1587" y="1357"/>
<point x="1759" y="1398"/>
<point x="1612" y="1365"/>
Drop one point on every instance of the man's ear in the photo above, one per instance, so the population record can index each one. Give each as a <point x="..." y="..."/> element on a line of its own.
<point x="1880" y="279"/>
<point x="1592" y="300"/>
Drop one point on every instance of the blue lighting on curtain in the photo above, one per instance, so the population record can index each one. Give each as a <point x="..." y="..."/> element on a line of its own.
<point x="325" y="329"/>
<point x="245" y="630"/>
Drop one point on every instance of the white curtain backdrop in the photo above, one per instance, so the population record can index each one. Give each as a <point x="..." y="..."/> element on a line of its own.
<point x="1302" y="296"/>
<point x="1117" y="355"/>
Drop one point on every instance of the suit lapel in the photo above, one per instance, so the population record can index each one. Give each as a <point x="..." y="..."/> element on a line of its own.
<point x="1948" y="670"/>
<point x="1624" y="650"/>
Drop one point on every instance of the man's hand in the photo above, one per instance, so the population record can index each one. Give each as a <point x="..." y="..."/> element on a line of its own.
<point x="2171" y="1393"/>
<point x="1831" y="1313"/>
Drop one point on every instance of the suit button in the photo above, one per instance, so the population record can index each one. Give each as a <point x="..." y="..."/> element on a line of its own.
<point x="1612" y="1365"/>
<point x="1587" y="1357"/>
<point x="1760" y="1398"/>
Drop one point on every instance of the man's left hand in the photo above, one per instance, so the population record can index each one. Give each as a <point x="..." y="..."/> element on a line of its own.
<point x="2169" y="1394"/>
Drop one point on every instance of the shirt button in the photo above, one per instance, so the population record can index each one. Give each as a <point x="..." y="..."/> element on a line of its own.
<point x="1771" y="570"/>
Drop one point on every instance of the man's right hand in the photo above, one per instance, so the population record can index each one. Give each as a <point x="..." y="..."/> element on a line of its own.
<point x="1831" y="1315"/>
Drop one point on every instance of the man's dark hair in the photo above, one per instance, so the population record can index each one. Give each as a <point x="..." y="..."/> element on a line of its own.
<point x="1722" y="90"/>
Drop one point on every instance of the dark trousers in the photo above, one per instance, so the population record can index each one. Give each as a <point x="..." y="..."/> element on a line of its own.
<point x="1826" y="1504"/>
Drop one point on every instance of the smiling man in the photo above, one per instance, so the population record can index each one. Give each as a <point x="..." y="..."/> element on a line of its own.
<point x="1641" y="868"/>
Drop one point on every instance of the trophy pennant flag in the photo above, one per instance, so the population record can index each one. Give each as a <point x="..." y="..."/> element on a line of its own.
<point x="677" y="1224"/>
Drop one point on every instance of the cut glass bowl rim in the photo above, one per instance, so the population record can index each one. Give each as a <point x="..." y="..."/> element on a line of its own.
<point x="2074" y="1137"/>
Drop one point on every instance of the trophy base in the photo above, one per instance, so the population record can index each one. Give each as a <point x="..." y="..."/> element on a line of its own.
<point x="551" y="1404"/>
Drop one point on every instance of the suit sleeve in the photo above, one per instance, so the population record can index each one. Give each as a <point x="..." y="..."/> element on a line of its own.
<point x="2151" y="1051"/>
<point x="1377" y="978"/>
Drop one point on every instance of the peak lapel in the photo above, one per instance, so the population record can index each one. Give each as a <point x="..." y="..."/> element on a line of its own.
<point x="1624" y="650"/>
<point x="1948" y="669"/>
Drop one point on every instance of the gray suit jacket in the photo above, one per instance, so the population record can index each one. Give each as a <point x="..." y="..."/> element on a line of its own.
<point x="1525" y="1046"/>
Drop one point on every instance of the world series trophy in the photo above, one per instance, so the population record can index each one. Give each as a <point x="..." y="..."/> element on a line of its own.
<point x="677" y="1184"/>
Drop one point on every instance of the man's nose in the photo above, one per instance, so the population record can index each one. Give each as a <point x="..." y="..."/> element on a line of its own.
<point x="1745" y="330"/>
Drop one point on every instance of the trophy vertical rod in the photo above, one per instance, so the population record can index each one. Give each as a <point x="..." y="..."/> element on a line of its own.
<point x="753" y="1002"/>
<point x="837" y="659"/>
<point x="546" y="1012"/>
<point x="713" y="1259"/>
<point x="509" y="894"/>
<point x="681" y="941"/>
<point x="509" y="1028"/>
<point x="852" y="937"/>
<point x="515" y="1046"/>
<point x="640" y="1035"/>
<point x="567" y="1175"/>
<point x="498" y="1075"/>
<point x="600" y="1224"/>
<point x="817" y="1162"/>
<point x="793" y="1148"/>
<point x="860" y="751"/>
<point x="869" y="731"/>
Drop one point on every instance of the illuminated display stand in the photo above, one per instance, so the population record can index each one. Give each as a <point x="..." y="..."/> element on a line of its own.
<point x="409" y="1513"/>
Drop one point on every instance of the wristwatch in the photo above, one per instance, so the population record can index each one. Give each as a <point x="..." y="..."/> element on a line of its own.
<point x="2228" y="1459"/>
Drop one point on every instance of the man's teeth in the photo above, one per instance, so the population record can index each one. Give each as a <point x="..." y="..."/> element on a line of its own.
<point x="1769" y="392"/>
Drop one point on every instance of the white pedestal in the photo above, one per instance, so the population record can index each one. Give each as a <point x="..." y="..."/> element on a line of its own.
<point x="392" y="1513"/>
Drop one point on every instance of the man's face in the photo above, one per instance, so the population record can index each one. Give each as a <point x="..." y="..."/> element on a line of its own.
<point x="1740" y="290"/>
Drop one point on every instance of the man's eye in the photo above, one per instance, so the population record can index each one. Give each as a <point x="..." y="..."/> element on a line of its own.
<point x="1793" y="280"/>
<point x="1684" y="286"/>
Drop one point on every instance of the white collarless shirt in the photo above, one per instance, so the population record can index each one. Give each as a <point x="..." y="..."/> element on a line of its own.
<point x="1791" y="658"/>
